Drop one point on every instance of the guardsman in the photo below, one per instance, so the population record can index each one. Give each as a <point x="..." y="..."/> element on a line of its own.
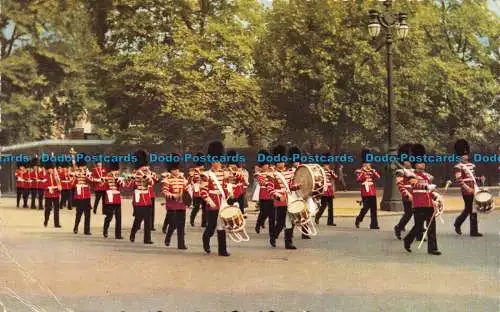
<point x="366" y="177"/>
<point x="294" y="156"/>
<point x="422" y="191"/>
<point x="52" y="193"/>
<point x="214" y="192"/>
<point x="21" y="185"/>
<point x="281" y="183"/>
<point x="151" y="189"/>
<point x="465" y="176"/>
<point x="37" y="183"/>
<point x="236" y="182"/>
<point x="246" y="179"/>
<point x="82" y="178"/>
<point x="140" y="182"/>
<point x="27" y="184"/>
<point x="112" y="201"/>
<point x="264" y="178"/>
<point x="174" y="187"/>
<point x="198" y="203"/>
<point x="328" y="194"/>
<point x="66" y="185"/>
<point x="99" y="184"/>
<point x="403" y="177"/>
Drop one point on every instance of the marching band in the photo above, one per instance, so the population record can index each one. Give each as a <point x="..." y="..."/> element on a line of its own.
<point x="284" y="198"/>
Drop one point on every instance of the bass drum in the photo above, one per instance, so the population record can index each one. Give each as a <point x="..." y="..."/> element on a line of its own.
<point x="310" y="179"/>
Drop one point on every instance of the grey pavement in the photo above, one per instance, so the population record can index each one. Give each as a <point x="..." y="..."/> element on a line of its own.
<point x="342" y="269"/>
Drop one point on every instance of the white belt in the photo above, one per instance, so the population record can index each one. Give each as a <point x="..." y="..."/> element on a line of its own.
<point x="367" y="185"/>
<point x="407" y="185"/>
<point x="420" y="191"/>
<point x="215" y="192"/>
<point x="110" y="194"/>
<point x="79" y="188"/>
<point x="137" y="194"/>
<point x="468" y="179"/>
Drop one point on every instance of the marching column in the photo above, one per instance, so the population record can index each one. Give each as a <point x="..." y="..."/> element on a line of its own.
<point x="465" y="177"/>
<point x="213" y="192"/>
<point x="112" y="202"/>
<point x="367" y="176"/>
<point x="175" y="189"/>
<point x="52" y="193"/>
<point x="422" y="191"/>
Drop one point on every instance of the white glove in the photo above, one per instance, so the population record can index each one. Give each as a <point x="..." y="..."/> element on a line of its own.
<point x="431" y="187"/>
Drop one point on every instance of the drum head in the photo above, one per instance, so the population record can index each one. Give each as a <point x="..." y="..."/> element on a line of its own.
<point x="296" y="206"/>
<point x="229" y="211"/>
<point x="483" y="197"/>
<point x="305" y="179"/>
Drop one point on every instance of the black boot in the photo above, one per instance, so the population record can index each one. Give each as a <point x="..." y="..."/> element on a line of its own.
<point x="407" y="245"/>
<point x="168" y="238"/>
<point x="474" y="231"/>
<point x="356" y="223"/>
<point x="206" y="243"/>
<point x="288" y="239"/>
<point x="397" y="232"/>
<point x="181" y="243"/>
<point x="105" y="229"/>
<point x="132" y="234"/>
<point x="221" y="238"/>
<point x="304" y="236"/>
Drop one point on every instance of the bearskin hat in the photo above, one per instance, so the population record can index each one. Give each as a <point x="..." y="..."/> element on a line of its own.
<point x="265" y="153"/>
<point x="199" y="163"/>
<point x="232" y="154"/>
<point x="417" y="150"/>
<point x="279" y="150"/>
<point x="462" y="147"/>
<point x="364" y="154"/>
<point x="35" y="161"/>
<point x="49" y="165"/>
<point x="172" y="165"/>
<point x="405" y="149"/>
<point x="142" y="158"/>
<point x="81" y="162"/>
<point x="215" y="148"/>
<point x="114" y="166"/>
<point x="291" y="151"/>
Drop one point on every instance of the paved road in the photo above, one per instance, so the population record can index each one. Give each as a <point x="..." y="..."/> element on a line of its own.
<point x="343" y="269"/>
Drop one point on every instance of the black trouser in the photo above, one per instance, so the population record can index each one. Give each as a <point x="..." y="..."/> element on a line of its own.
<point x="19" y="192"/>
<point x="142" y="213"/>
<point x="264" y="209"/>
<point x="49" y="204"/>
<point x="280" y="220"/>
<point x="406" y="217"/>
<point x="98" y="196"/>
<point x="35" y="192"/>
<point x="326" y="201"/>
<point x="421" y="215"/>
<point x="152" y="213"/>
<point x="166" y="222"/>
<point x="66" y="198"/>
<point x="212" y="217"/>
<point x="111" y="210"/>
<point x="177" y="221"/>
<point x="369" y="203"/>
<point x="241" y="203"/>
<point x="73" y="191"/>
<point x="26" y="194"/>
<point x="82" y="207"/>
<point x="468" y="211"/>
<point x="198" y="203"/>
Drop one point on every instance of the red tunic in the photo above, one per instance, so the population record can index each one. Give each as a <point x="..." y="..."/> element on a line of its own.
<point x="464" y="175"/>
<point x="265" y="180"/>
<point x="209" y="189"/>
<point x="97" y="179"/>
<point x="403" y="183"/>
<point x="422" y="198"/>
<point x="331" y="177"/>
<point x="278" y="189"/>
<point x="81" y="182"/>
<point x="66" y="182"/>
<point x="113" y="185"/>
<point x="20" y="181"/>
<point x="172" y="188"/>
<point x="52" y="186"/>
<point x="140" y="184"/>
<point x="195" y="179"/>
<point x="367" y="180"/>
<point x="27" y="179"/>
<point x="37" y="178"/>
<point x="236" y="182"/>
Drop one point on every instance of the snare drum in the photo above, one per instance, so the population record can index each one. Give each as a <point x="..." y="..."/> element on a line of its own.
<point x="484" y="201"/>
<point x="234" y="223"/>
<point x="298" y="212"/>
<point x="311" y="180"/>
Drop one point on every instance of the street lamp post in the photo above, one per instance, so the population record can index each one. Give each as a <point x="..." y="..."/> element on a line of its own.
<point x="389" y="20"/>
